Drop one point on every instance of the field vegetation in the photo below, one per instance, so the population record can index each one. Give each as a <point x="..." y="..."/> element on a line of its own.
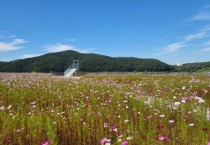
<point x="128" y="109"/>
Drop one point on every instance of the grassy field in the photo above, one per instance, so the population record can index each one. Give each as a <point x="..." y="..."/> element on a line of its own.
<point x="133" y="109"/>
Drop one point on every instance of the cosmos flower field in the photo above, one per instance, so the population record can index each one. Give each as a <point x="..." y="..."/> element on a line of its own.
<point x="116" y="109"/>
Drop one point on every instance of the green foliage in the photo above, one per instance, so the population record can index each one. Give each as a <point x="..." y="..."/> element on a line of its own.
<point x="195" y="67"/>
<point x="58" y="62"/>
<point x="35" y="69"/>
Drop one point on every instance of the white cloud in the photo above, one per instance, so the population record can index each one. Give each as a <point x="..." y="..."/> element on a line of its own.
<point x="194" y="36"/>
<point x="174" y="47"/>
<point x="206" y="49"/>
<point x="201" y="16"/>
<point x="29" y="55"/>
<point x="15" y="44"/>
<point x="87" y="50"/>
<point x="206" y="6"/>
<point x="63" y="47"/>
<point x="12" y="36"/>
<point x="171" y="48"/>
<point x="60" y="47"/>
<point x="18" y="41"/>
<point x="207" y="43"/>
<point x="206" y="28"/>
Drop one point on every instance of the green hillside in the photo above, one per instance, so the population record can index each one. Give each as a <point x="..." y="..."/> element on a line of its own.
<point x="194" y="67"/>
<point x="58" y="62"/>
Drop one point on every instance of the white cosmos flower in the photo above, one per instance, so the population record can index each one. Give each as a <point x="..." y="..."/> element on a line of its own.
<point x="9" y="107"/>
<point x="126" y="121"/>
<point x="33" y="103"/>
<point x="191" y="124"/>
<point x="201" y="101"/>
<point x="171" y="121"/>
<point x="130" y="138"/>
<point x="177" y="103"/>
<point x="2" y="108"/>
<point x="162" y="115"/>
<point x="183" y="101"/>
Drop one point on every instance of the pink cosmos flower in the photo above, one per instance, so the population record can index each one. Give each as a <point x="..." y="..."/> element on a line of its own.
<point x="124" y="143"/>
<point x="46" y="142"/>
<point x="105" y="125"/>
<point x="8" y="140"/>
<point x="184" y="116"/>
<point x="185" y="99"/>
<point x="103" y="140"/>
<point x="205" y="91"/>
<point x="114" y="128"/>
<point x="171" y="121"/>
<point x="138" y="91"/>
<point x="160" y="127"/>
<point x="149" y="117"/>
<point x="162" y="138"/>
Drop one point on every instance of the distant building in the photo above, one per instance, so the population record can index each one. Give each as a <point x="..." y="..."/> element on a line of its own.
<point x="178" y="64"/>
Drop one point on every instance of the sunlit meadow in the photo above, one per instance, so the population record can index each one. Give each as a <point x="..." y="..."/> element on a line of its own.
<point x="116" y="109"/>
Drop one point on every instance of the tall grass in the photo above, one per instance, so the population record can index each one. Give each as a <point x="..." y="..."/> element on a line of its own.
<point x="135" y="109"/>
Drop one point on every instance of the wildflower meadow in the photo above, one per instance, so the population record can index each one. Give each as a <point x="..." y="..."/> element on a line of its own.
<point x="106" y="109"/>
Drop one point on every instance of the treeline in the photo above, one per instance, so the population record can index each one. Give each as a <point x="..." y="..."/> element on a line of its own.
<point x="100" y="64"/>
<point x="194" y="67"/>
<point x="58" y="62"/>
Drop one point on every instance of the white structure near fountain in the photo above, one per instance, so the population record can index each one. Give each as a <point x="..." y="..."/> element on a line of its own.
<point x="72" y="69"/>
<point x="178" y="64"/>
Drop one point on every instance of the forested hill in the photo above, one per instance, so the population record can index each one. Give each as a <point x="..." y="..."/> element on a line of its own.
<point x="58" y="62"/>
<point x="194" y="67"/>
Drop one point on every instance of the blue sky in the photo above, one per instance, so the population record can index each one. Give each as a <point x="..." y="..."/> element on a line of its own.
<point x="173" y="31"/>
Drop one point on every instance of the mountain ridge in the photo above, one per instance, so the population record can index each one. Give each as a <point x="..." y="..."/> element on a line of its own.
<point x="91" y="62"/>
